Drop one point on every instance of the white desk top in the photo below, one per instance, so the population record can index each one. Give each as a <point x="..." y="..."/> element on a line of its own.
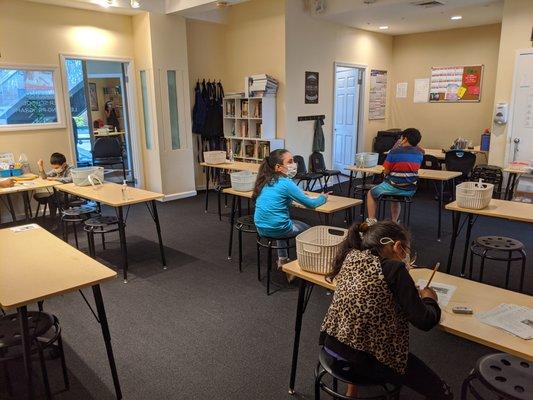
<point x="234" y="166"/>
<point x="506" y="209"/>
<point x="27" y="185"/>
<point x="431" y="174"/>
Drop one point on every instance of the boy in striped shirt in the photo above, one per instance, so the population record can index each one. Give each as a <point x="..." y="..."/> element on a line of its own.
<point x="401" y="173"/>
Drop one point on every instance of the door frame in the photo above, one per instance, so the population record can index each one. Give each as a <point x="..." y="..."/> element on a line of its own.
<point x="510" y="148"/>
<point x="361" y="120"/>
<point x="131" y="85"/>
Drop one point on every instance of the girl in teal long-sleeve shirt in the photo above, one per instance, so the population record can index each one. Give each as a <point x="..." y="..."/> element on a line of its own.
<point x="274" y="193"/>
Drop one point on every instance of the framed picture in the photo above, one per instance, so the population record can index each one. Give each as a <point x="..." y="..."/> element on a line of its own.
<point x="311" y="87"/>
<point x="93" y="97"/>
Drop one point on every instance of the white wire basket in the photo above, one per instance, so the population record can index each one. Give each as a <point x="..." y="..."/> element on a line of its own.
<point x="80" y="176"/>
<point x="317" y="247"/>
<point x="243" y="181"/>
<point x="474" y="195"/>
<point x="215" y="157"/>
<point x="366" y="160"/>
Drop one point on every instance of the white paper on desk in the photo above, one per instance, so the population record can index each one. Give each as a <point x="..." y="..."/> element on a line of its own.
<point x="421" y="92"/>
<point x="444" y="292"/>
<point x="512" y="318"/>
<point x="24" y="228"/>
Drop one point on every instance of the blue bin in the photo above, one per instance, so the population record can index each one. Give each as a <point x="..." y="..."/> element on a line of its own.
<point x="16" y="172"/>
<point x="5" y="173"/>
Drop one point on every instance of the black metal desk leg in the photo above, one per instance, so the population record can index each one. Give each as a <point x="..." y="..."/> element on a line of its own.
<point x="469" y="222"/>
<point x="512" y="188"/>
<point x="327" y="219"/>
<point x="363" y="197"/>
<point x="456" y="218"/>
<point x="99" y="301"/>
<point x="231" y="224"/>
<point x="26" y="348"/>
<point x="350" y="184"/>
<point x="300" y="309"/>
<point x="441" y="194"/>
<point x="123" y="248"/>
<point x="159" y="237"/>
<point x="206" y="188"/>
<point x="11" y="208"/>
<point x="507" y="186"/>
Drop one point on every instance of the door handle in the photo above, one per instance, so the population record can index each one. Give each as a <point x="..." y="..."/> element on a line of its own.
<point x="516" y="149"/>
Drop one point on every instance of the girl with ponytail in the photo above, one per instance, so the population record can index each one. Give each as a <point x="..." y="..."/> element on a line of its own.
<point x="274" y="193"/>
<point x="365" y="333"/>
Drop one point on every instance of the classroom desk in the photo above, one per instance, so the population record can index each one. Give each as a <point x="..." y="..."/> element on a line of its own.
<point x="24" y="187"/>
<point x="514" y="173"/>
<point x="333" y="205"/>
<point x="504" y="209"/>
<point x="228" y="166"/>
<point x="478" y="296"/>
<point x="429" y="174"/>
<point x="27" y="278"/>
<point x="111" y="194"/>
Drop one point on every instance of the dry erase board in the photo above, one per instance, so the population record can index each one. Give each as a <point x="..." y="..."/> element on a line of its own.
<point x="456" y="84"/>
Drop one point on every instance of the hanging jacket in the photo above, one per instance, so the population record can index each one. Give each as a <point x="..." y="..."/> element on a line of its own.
<point x="213" y="127"/>
<point x="318" y="138"/>
<point x="199" y="111"/>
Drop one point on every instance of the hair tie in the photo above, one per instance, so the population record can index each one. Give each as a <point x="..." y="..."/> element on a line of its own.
<point x="363" y="227"/>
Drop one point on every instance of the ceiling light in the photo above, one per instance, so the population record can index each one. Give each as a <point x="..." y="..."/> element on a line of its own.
<point x="106" y="3"/>
<point x="135" y="3"/>
<point x="384" y="27"/>
<point x="456" y="17"/>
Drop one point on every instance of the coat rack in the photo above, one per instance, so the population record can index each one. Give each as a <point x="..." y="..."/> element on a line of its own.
<point x="311" y="117"/>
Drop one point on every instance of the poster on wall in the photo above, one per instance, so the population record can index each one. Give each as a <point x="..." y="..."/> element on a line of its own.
<point x="311" y="87"/>
<point x="456" y="84"/>
<point x="93" y="97"/>
<point x="378" y="94"/>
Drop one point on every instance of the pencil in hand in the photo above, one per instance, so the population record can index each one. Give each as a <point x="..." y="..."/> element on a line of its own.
<point x="433" y="274"/>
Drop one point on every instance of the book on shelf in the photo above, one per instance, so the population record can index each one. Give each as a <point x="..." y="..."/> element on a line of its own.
<point x="244" y="108"/>
<point x="237" y="151"/>
<point x="263" y="150"/>
<point x="249" y="150"/>
<point x="258" y="129"/>
<point x="244" y="128"/>
<point x="230" y="109"/>
<point x="257" y="110"/>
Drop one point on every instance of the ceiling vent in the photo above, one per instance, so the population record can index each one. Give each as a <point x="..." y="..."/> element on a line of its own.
<point x="427" y="3"/>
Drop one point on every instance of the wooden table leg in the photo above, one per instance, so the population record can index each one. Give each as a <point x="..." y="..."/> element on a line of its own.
<point x="26" y="348"/>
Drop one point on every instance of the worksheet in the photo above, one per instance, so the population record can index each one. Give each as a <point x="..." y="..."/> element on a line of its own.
<point x="444" y="291"/>
<point x="515" y="319"/>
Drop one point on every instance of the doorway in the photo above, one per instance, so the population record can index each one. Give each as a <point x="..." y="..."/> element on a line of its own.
<point x="98" y="106"/>
<point x="347" y="113"/>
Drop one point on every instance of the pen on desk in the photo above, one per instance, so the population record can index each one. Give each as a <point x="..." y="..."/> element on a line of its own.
<point x="433" y="273"/>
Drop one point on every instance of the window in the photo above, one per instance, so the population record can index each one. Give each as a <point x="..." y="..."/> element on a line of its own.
<point x="146" y="110"/>
<point x="173" y="109"/>
<point x="28" y="98"/>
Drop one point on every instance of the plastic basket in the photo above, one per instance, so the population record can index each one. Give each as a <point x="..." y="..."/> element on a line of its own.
<point x="80" y="176"/>
<point x="317" y="247"/>
<point x="16" y="172"/>
<point x="474" y="195"/>
<point x="5" y="173"/>
<point x="215" y="157"/>
<point x="243" y="181"/>
<point x="366" y="160"/>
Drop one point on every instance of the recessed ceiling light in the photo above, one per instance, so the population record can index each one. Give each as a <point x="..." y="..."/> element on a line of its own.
<point x="384" y="27"/>
<point x="456" y="17"/>
<point x="106" y="3"/>
<point x="135" y="3"/>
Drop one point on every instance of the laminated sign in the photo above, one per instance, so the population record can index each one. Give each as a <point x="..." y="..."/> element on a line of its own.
<point x="455" y="84"/>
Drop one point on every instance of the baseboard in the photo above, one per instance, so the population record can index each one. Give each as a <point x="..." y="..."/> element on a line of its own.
<point x="177" y="196"/>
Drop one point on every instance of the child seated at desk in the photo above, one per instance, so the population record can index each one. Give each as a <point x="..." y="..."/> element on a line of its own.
<point x="60" y="172"/>
<point x="366" y="329"/>
<point x="274" y="193"/>
<point x="401" y="174"/>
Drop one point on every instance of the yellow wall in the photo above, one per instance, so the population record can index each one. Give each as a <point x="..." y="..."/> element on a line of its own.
<point x="314" y="45"/>
<point x="413" y="57"/>
<point x="43" y="32"/>
<point x="515" y="35"/>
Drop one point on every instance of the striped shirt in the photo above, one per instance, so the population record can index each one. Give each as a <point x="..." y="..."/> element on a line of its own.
<point x="403" y="164"/>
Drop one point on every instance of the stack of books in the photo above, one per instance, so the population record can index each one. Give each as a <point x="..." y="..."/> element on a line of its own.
<point x="262" y="85"/>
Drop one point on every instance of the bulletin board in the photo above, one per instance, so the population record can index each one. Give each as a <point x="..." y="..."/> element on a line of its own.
<point x="456" y="84"/>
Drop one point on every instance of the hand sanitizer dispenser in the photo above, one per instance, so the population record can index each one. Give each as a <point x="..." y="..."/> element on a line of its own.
<point x="501" y="113"/>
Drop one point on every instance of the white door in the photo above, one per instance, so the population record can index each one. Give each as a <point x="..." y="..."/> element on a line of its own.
<point x="521" y="148"/>
<point x="346" y="118"/>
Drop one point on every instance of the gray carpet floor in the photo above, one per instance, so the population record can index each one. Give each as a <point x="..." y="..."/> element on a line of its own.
<point x="202" y="330"/>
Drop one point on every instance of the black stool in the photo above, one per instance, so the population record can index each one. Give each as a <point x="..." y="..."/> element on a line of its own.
<point x="44" y="332"/>
<point x="337" y="370"/>
<point x="505" y="376"/>
<point x="245" y="225"/>
<point x="100" y="225"/>
<point x="271" y="244"/>
<point x="42" y="200"/>
<point x="491" y="248"/>
<point x="406" y="200"/>
<point x="362" y="189"/>
<point x="73" y="215"/>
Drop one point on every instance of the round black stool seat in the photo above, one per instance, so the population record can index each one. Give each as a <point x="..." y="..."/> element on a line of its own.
<point x="507" y="376"/>
<point x="499" y="243"/>
<point x="38" y="324"/>
<point x="100" y="222"/>
<point x="41" y="197"/>
<point x="77" y="211"/>
<point x="389" y="197"/>
<point x="246" y="224"/>
<point x="340" y="371"/>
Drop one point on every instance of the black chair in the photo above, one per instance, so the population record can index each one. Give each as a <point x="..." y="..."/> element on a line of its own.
<point x="431" y="162"/>
<point x="310" y="178"/>
<point x="502" y="375"/>
<point x="73" y="215"/>
<point x="498" y="248"/>
<point x="406" y="200"/>
<point x="45" y="332"/>
<point x="460" y="161"/>
<point x="271" y="244"/>
<point x="338" y="370"/>
<point x="108" y="151"/>
<point x="42" y="200"/>
<point x="245" y="224"/>
<point x="489" y="174"/>
<point x="317" y="165"/>
<point x="99" y="225"/>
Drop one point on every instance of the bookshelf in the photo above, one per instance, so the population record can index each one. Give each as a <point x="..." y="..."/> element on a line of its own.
<point x="250" y="127"/>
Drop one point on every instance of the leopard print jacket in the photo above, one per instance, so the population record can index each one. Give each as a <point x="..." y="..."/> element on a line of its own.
<point x="363" y="313"/>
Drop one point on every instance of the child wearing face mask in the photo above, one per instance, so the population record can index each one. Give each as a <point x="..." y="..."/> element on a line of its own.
<point x="274" y="193"/>
<point x="60" y="172"/>
<point x="365" y="333"/>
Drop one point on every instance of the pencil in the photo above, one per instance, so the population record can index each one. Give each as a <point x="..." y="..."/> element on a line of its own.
<point x="433" y="273"/>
